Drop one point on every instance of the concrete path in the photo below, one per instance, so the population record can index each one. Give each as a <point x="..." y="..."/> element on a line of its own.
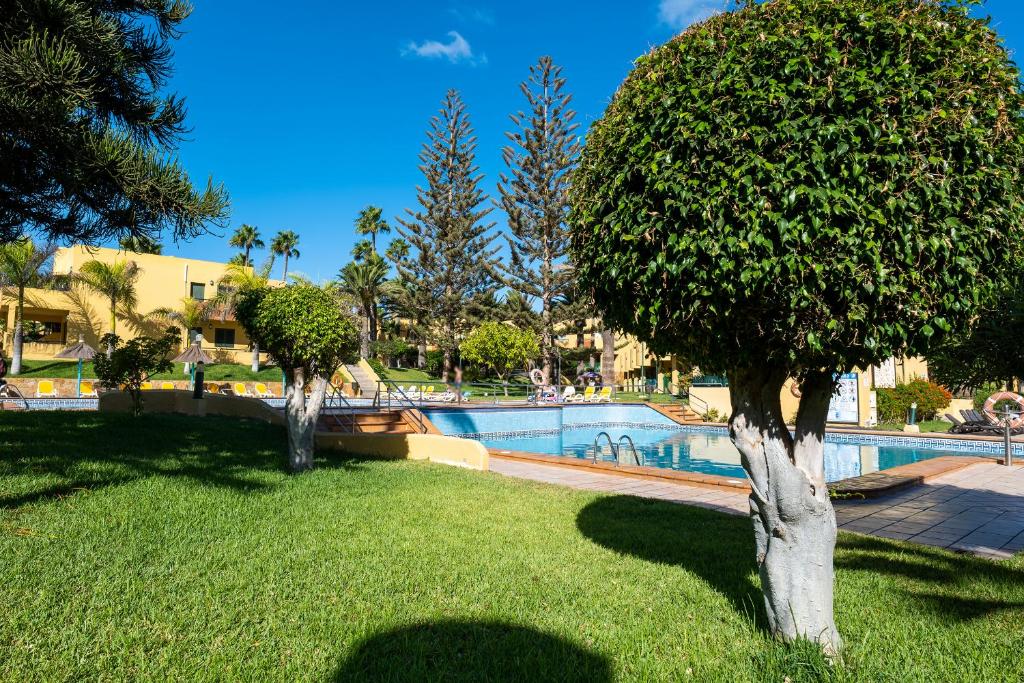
<point x="978" y="509"/>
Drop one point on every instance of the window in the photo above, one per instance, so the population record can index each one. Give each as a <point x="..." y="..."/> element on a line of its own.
<point x="198" y="291"/>
<point x="224" y="337"/>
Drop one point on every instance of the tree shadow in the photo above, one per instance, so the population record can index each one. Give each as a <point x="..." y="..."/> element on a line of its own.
<point x="47" y="456"/>
<point x="471" y="651"/>
<point x="951" y="587"/>
<point x="719" y="548"/>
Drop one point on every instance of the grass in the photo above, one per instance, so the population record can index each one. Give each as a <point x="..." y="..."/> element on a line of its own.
<point x="926" y="426"/>
<point x="59" y="369"/>
<point x="410" y="375"/>
<point x="169" y="548"/>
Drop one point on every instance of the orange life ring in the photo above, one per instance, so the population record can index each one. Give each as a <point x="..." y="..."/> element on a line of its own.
<point x="990" y="407"/>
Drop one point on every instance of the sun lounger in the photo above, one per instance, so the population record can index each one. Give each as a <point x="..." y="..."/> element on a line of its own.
<point x="241" y="390"/>
<point x="604" y="396"/>
<point x="588" y="395"/>
<point x="212" y="388"/>
<point x="262" y="391"/>
<point x="45" y="389"/>
<point x="167" y="386"/>
<point x="146" y="386"/>
<point x="569" y="395"/>
<point x="88" y="390"/>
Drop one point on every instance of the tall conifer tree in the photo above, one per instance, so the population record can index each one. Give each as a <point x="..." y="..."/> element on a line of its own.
<point x="452" y="260"/>
<point x="543" y="151"/>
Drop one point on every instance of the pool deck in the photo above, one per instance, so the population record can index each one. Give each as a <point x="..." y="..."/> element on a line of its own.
<point x="976" y="509"/>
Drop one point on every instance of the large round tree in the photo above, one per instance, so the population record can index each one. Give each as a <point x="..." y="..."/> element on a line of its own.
<point x="796" y="189"/>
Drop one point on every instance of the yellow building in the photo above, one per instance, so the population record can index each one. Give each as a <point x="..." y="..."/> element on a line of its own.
<point x="70" y="311"/>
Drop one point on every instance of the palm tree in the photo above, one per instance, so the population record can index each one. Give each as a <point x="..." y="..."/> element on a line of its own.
<point x="247" y="238"/>
<point x="284" y="244"/>
<point x="364" y="281"/>
<point x="369" y="222"/>
<point x="397" y="251"/>
<point x="238" y="279"/>
<point x="113" y="281"/>
<point x="21" y="267"/>
<point x="191" y="315"/>
<point x="141" y="244"/>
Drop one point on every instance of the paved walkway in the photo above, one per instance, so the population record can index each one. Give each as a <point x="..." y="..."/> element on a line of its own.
<point x="978" y="509"/>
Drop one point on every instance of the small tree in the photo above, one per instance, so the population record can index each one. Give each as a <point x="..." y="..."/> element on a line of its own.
<point x="239" y="278"/>
<point x="130" y="365"/>
<point x="501" y="348"/>
<point x="796" y="189"/>
<point x="302" y="328"/>
<point x="22" y="265"/>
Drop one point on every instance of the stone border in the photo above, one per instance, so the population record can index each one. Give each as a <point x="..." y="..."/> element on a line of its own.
<point x="888" y="481"/>
<point x="713" y="481"/>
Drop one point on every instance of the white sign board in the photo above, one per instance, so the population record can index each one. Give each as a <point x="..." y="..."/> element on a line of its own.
<point x="844" y="406"/>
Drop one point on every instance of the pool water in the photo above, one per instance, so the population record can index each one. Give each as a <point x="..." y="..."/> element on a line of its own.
<point x="706" y="452"/>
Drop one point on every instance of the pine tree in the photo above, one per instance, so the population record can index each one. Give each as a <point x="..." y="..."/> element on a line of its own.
<point x="452" y="260"/>
<point x="543" y="151"/>
<point x="86" y="127"/>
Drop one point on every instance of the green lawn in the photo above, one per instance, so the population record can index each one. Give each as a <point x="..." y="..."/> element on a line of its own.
<point x="411" y="375"/>
<point x="169" y="548"/>
<point x="60" y="369"/>
<point x="926" y="426"/>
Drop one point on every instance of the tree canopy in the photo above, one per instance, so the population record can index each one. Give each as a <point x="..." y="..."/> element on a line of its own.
<point x="86" y="127"/>
<point x="810" y="183"/>
<point x="500" y="347"/>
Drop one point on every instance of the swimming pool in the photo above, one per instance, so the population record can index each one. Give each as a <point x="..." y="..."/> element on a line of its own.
<point x="570" y="431"/>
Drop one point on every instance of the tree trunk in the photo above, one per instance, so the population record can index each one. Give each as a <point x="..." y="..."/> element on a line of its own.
<point x="19" y="334"/>
<point x="446" y="367"/>
<point x="284" y="276"/>
<point x="302" y="417"/>
<point x="421" y="355"/>
<point x="794" y="523"/>
<point x="608" y="358"/>
<point x="255" y="357"/>
<point x="547" y="342"/>
<point x="364" y="337"/>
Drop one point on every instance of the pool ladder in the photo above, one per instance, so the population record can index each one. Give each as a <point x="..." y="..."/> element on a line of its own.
<point x="616" y="448"/>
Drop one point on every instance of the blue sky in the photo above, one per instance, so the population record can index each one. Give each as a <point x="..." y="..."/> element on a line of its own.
<point x="308" y="111"/>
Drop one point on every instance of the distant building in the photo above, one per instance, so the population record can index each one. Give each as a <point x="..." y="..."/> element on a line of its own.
<point x="70" y="310"/>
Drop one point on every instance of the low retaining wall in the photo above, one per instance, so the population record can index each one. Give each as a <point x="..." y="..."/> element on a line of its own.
<point x="446" y="450"/>
<point x="182" y="403"/>
<point x="68" y="388"/>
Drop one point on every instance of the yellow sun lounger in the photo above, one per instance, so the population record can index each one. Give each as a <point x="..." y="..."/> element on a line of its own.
<point x="45" y="389"/>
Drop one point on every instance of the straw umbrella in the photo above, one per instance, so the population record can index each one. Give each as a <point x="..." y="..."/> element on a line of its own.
<point x="82" y="352"/>
<point x="194" y="354"/>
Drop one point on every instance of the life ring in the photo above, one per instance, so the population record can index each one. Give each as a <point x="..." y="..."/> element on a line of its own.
<point x="537" y="377"/>
<point x="990" y="407"/>
<point x="794" y="389"/>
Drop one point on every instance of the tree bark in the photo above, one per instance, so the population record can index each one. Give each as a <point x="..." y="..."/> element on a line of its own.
<point x="302" y="414"/>
<point x="364" y="337"/>
<point x="421" y="355"/>
<point x="255" y="357"/>
<point x="608" y="358"/>
<point x="19" y="335"/>
<point x="794" y="523"/>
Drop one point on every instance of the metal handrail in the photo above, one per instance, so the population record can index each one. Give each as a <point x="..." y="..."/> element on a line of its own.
<point x="611" y="445"/>
<point x="404" y="401"/>
<point x="629" y="440"/>
<point x="333" y="394"/>
<point x="690" y="397"/>
<point x="10" y="392"/>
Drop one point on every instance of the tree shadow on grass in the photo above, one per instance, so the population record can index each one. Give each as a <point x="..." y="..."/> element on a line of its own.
<point x="949" y="586"/>
<point x="719" y="548"/>
<point x="46" y="456"/>
<point x="471" y="651"/>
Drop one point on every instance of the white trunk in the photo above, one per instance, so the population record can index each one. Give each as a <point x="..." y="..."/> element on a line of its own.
<point x="255" y="357"/>
<point x="421" y="355"/>
<point x="17" y="351"/>
<point x="302" y="417"/>
<point x="794" y="523"/>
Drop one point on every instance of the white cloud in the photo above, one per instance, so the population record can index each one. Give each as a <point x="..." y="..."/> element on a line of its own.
<point x="681" y="13"/>
<point x="456" y="50"/>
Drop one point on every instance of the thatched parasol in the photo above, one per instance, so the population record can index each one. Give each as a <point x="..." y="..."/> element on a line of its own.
<point x="192" y="355"/>
<point x="80" y="352"/>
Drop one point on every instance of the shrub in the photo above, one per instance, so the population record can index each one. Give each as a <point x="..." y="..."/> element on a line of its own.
<point x="378" y="367"/>
<point x="129" y="365"/>
<point x="435" y="361"/>
<point x="894" y="404"/>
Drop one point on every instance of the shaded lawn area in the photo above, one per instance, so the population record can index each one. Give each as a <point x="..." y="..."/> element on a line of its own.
<point x="169" y="548"/>
<point x="59" y="369"/>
